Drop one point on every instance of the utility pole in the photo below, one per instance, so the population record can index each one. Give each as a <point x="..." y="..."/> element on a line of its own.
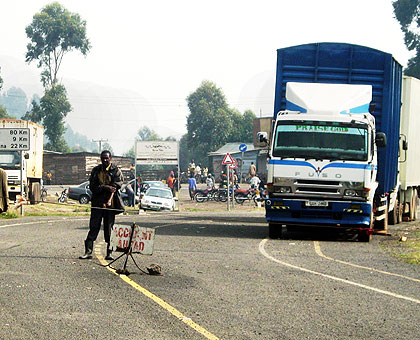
<point x="100" y="143"/>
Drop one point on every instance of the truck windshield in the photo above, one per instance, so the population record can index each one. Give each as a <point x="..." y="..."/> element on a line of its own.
<point x="321" y="140"/>
<point x="9" y="159"/>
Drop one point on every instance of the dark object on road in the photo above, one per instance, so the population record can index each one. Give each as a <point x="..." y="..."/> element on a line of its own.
<point x="154" y="269"/>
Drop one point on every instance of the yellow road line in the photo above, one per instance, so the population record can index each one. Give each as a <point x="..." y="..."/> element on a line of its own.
<point x="262" y="250"/>
<point x="320" y="253"/>
<point x="157" y="299"/>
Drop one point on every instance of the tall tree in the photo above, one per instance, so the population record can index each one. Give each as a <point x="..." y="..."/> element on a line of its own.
<point x="209" y="123"/>
<point x="407" y="13"/>
<point x="54" y="32"/>
<point x="243" y="126"/>
<point x="52" y="110"/>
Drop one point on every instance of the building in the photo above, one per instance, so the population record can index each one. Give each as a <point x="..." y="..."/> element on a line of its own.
<point x="253" y="154"/>
<point x="75" y="168"/>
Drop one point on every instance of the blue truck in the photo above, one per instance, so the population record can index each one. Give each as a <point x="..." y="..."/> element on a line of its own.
<point x="343" y="151"/>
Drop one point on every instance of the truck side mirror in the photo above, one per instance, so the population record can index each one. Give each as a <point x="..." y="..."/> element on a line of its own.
<point x="380" y="139"/>
<point x="262" y="137"/>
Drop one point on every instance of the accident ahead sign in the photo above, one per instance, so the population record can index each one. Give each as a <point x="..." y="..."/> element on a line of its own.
<point x="156" y="152"/>
<point x="14" y="139"/>
<point x="141" y="242"/>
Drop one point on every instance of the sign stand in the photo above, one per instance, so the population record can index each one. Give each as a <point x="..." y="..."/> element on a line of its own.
<point x="127" y="252"/>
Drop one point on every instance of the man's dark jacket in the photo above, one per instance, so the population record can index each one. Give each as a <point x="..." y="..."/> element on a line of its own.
<point x="101" y="195"/>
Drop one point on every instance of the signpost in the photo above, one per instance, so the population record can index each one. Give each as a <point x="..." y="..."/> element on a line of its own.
<point x="157" y="152"/>
<point x="242" y="149"/>
<point x="130" y="240"/>
<point x="228" y="161"/>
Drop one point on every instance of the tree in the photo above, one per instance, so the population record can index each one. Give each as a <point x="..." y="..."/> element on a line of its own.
<point x="243" y="126"/>
<point x="51" y="112"/>
<point x="209" y="123"/>
<point x="407" y="13"/>
<point x="54" y="32"/>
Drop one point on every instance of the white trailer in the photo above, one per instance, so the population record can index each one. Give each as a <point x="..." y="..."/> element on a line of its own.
<point x="32" y="160"/>
<point x="409" y="151"/>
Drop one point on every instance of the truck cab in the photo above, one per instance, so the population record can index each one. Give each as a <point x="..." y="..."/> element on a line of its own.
<point x="323" y="158"/>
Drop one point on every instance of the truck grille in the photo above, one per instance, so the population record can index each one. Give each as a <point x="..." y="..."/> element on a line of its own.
<point x="317" y="187"/>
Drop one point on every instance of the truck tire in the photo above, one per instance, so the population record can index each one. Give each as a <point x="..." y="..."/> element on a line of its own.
<point x="394" y="215"/>
<point x="274" y="230"/>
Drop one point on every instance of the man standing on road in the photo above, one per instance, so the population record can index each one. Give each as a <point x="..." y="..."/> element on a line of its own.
<point x="105" y="180"/>
<point x="192" y="185"/>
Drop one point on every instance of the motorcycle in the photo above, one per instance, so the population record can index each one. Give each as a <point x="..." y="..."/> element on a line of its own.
<point x="63" y="196"/>
<point x="205" y="195"/>
<point x="242" y="195"/>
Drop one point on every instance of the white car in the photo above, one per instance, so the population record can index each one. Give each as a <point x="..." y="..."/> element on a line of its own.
<point x="157" y="199"/>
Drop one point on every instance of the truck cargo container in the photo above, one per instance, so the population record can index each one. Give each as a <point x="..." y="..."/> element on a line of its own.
<point x="32" y="160"/>
<point x="343" y="151"/>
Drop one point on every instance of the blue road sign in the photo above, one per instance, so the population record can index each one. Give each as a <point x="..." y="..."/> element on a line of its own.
<point x="242" y="147"/>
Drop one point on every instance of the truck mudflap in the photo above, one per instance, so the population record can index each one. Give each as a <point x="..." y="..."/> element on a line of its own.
<point x="319" y="212"/>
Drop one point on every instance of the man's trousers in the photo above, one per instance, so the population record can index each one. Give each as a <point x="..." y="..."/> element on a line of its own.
<point x="96" y="217"/>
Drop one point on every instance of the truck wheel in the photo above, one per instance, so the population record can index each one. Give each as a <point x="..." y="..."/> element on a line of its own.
<point x="393" y="215"/>
<point x="274" y="230"/>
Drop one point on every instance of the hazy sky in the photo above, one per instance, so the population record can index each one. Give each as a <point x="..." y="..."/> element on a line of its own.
<point x="148" y="56"/>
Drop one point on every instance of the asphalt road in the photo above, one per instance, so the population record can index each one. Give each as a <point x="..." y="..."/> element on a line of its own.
<point x="222" y="279"/>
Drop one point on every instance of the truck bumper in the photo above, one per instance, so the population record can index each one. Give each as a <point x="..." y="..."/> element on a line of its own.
<point x="336" y="213"/>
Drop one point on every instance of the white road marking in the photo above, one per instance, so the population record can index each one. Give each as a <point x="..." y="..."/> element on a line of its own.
<point x="381" y="291"/>
<point x="320" y="253"/>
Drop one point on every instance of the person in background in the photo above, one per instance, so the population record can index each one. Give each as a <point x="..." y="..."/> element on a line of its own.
<point x="209" y="182"/>
<point x="105" y="181"/>
<point x="255" y="182"/>
<point x="223" y="180"/>
<point x="171" y="181"/>
<point x="252" y="170"/>
<point x="49" y="176"/>
<point x="192" y="186"/>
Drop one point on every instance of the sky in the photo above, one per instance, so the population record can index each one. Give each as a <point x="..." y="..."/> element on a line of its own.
<point x="148" y="56"/>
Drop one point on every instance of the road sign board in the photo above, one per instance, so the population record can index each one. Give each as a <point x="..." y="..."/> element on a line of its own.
<point x="228" y="159"/>
<point x="142" y="241"/>
<point x="234" y="164"/>
<point x="243" y="147"/>
<point x="14" y="139"/>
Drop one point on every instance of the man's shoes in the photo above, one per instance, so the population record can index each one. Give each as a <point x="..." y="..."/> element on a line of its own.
<point x="85" y="256"/>
<point x="88" y="251"/>
<point x="108" y="256"/>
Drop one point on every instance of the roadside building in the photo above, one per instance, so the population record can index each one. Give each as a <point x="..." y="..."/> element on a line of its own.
<point x="75" y="168"/>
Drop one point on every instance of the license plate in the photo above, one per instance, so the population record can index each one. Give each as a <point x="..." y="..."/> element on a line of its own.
<point x="316" y="204"/>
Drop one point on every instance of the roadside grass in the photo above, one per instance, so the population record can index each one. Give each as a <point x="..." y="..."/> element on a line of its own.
<point x="412" y="249"/>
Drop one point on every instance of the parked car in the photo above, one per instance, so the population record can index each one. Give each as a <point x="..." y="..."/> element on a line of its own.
<point x="83" y="194"/>
<point x="80" y="193"/>
<point x="157" y="199"/>
<point x="144" y="186"/>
